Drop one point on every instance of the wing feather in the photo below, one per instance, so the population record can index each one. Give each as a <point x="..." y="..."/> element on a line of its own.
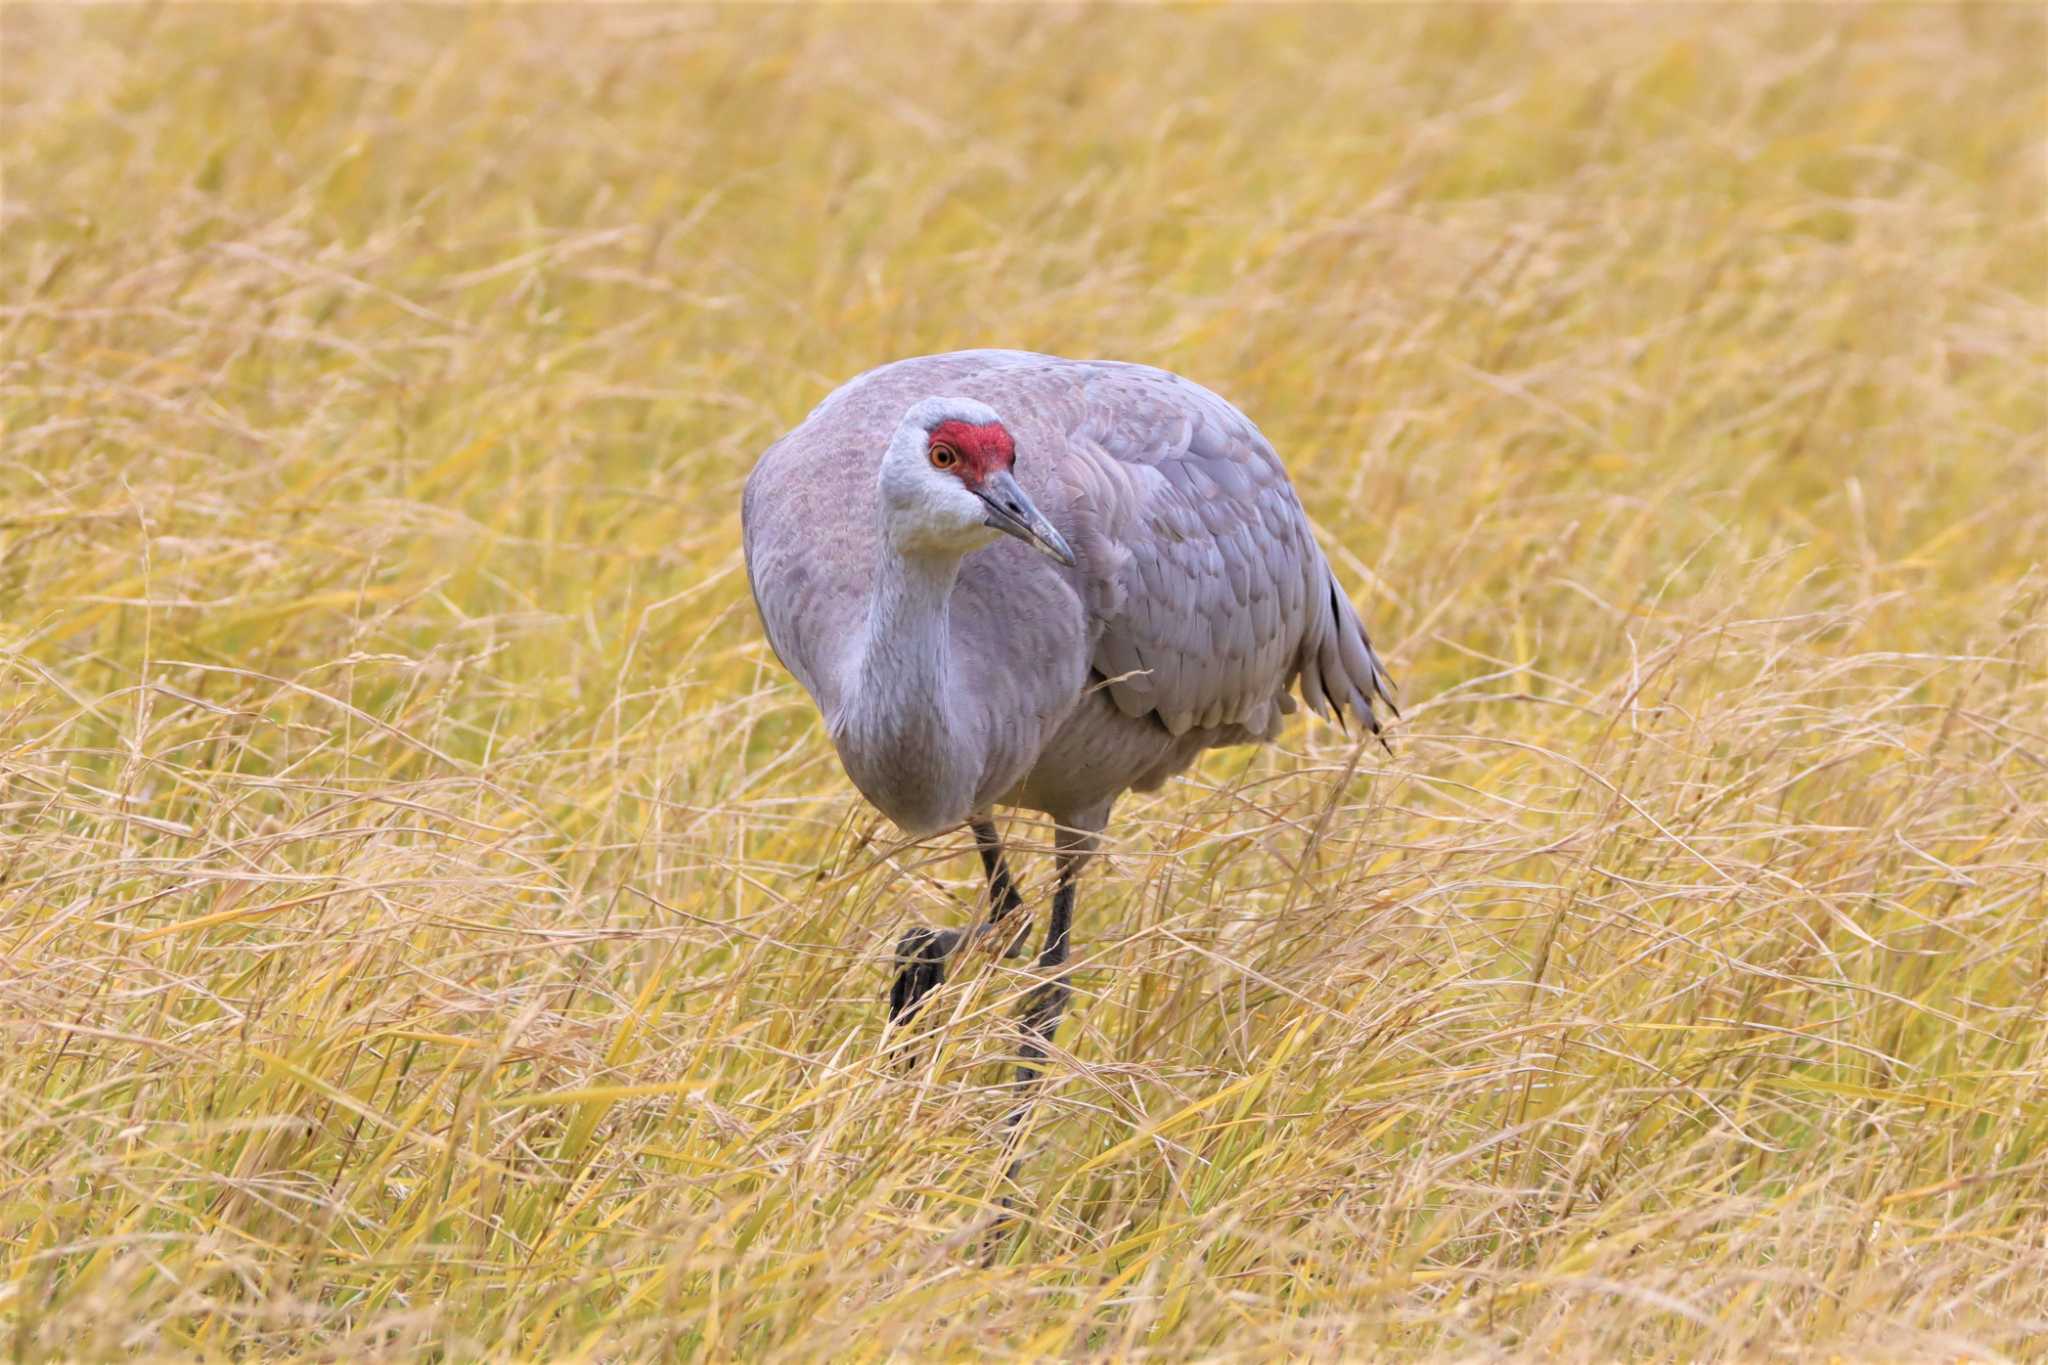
<point x="1201" y="565"/>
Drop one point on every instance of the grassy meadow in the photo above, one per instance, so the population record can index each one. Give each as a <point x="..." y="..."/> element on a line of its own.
<point x="433" y="926"/>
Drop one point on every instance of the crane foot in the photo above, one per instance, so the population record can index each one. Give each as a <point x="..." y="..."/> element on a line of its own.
<point x="920" y="968"/>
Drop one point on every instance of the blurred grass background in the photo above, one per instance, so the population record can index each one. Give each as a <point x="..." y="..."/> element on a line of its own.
<point x="430" y="923"/>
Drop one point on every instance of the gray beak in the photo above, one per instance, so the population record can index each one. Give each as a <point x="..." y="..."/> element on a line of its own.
<point x="1010" y="512"/>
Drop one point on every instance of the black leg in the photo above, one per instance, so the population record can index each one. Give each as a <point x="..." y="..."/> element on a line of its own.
<point x="1002" y="888"/>
<point x="1047" y="1002"/>
<point x="921" y="953"/>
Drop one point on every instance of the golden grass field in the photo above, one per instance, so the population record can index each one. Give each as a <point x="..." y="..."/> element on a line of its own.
<point x="433" y="926"/>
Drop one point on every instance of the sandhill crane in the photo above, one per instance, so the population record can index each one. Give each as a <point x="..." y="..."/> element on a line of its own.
<point x="1013" y="579"/>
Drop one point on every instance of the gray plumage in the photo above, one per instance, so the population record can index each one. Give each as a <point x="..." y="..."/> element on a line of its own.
<point x="1199" y="593"/>
<point x="1140" y="585"/>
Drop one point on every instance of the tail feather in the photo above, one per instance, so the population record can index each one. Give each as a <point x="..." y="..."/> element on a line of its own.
<point x="1340" y="666"/>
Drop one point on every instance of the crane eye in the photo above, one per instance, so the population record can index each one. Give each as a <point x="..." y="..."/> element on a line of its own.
<point x="944" y="456"/>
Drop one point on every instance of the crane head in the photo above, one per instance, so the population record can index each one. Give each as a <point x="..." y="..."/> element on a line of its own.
<point x="983" y="456"/>
<point x="950" y="446"/>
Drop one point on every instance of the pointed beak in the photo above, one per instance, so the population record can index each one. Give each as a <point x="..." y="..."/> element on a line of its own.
<point x="1010" y="512"/>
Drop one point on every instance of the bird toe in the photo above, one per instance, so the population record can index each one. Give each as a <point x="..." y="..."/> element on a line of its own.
<point x="920" y="968"/>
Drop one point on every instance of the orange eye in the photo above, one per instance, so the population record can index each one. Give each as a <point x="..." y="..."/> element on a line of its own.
<point x="944" y="456"/>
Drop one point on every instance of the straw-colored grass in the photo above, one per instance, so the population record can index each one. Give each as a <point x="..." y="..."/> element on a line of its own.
<point x="432" y="924"/>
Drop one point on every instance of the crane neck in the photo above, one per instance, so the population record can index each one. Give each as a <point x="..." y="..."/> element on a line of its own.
<point x="902" y="735"/>
<point x="908" y="649"/>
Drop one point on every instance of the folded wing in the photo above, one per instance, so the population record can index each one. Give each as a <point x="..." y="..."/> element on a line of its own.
<point x="1212" y="595"/>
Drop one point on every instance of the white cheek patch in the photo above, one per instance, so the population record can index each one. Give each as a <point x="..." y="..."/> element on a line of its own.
<point x="929" y="508"/>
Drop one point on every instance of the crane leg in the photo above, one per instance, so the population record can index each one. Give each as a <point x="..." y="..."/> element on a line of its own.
<point x="1002" y="888"/>
<point x="922" y="952"/>
<point x="1047" y="1002"/>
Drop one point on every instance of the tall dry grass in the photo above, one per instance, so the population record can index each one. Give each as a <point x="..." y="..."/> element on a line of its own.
<point x="432" y="924"/>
